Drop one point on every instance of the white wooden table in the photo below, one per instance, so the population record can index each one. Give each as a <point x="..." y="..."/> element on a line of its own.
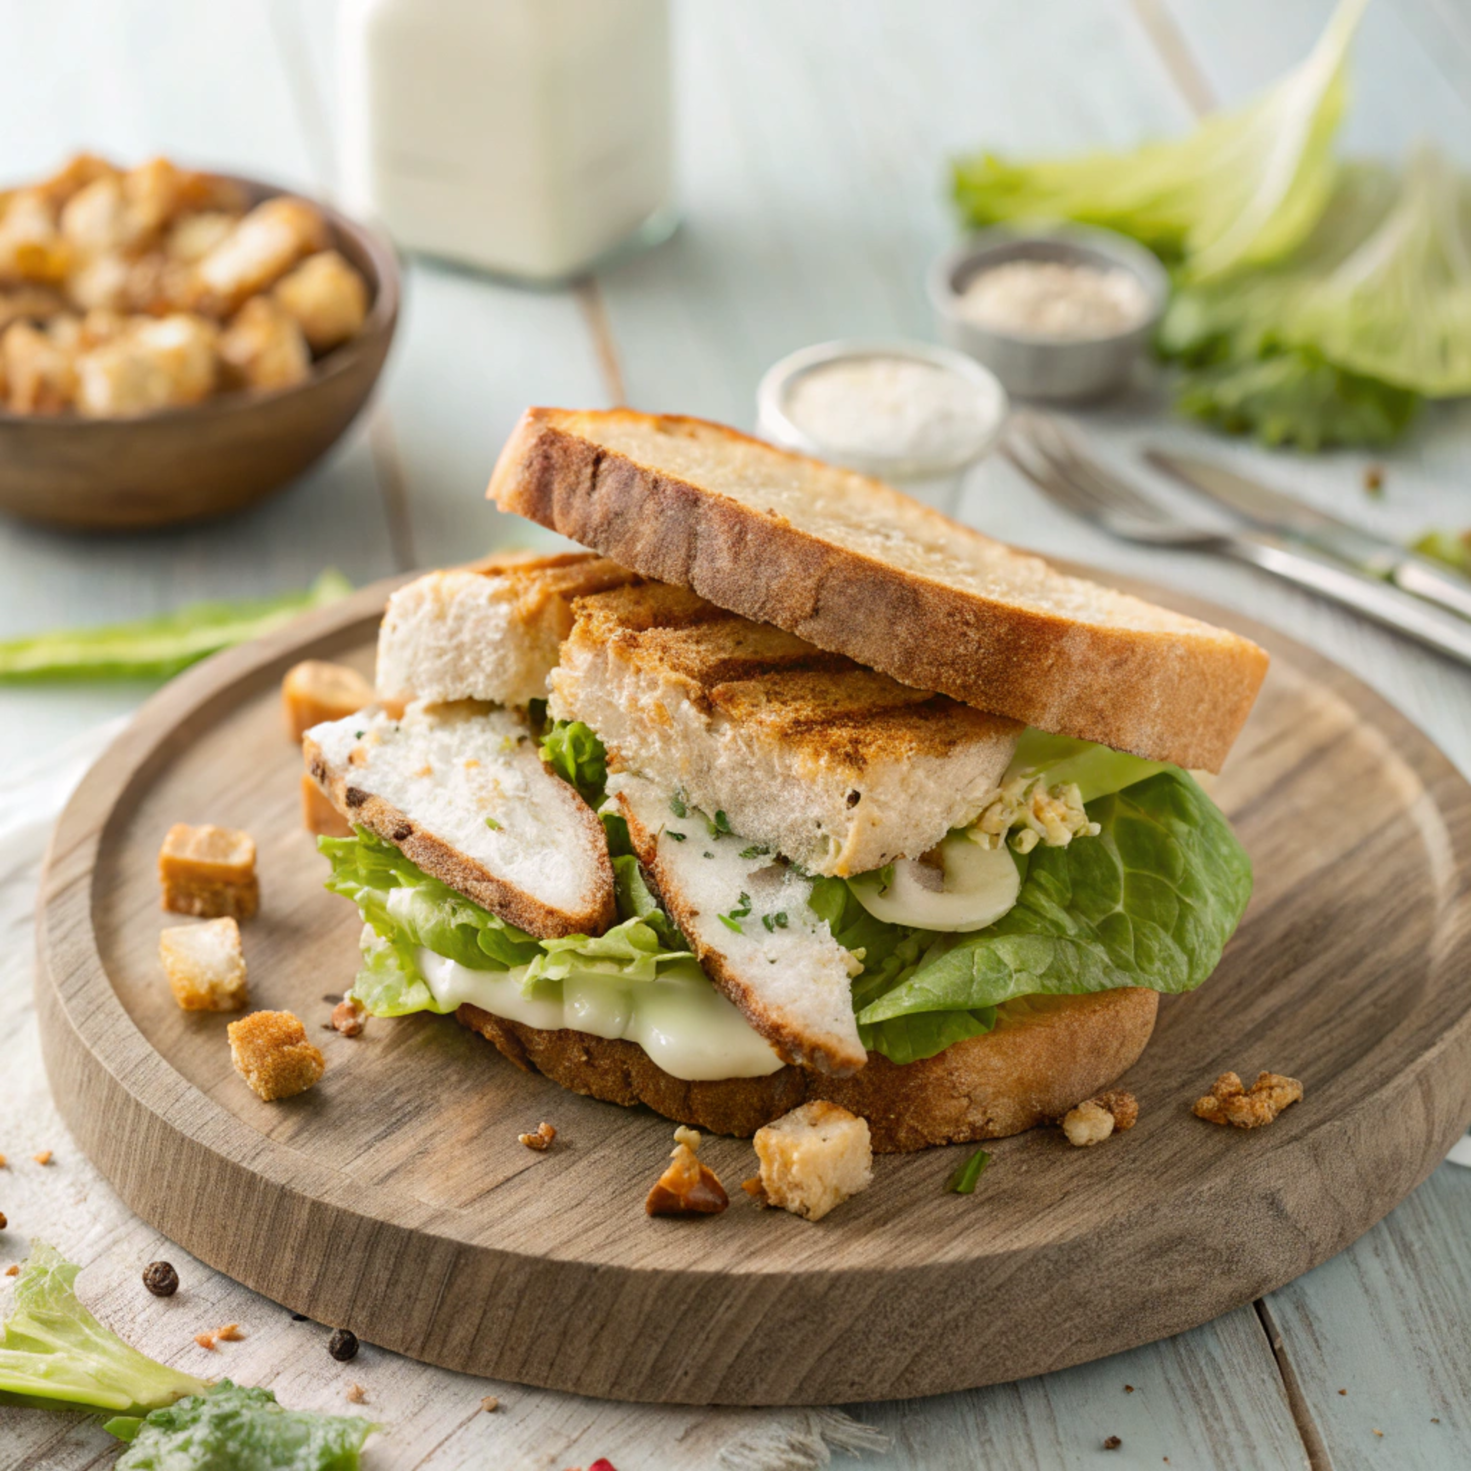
<point x="814" y="139"/>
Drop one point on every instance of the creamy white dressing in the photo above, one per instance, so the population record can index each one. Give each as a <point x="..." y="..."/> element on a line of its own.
<point x="680" y="1020"/>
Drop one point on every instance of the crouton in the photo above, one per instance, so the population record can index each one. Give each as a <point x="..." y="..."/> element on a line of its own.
<point x="153" y="365"/>
<point x="327" y="297"/>
<point x="209" y="871"/>
<point x="41" y="372"/>
<point x="318" y="816"/>
<point x="314" y="691"/>
<point x="814" y="1158"/>
<point x="205" y="965"/>
<point x="260" y="250"/>
<point x="192" y="237"/>
<point x="271" y="1052"/>
<point x="263" y="347"/>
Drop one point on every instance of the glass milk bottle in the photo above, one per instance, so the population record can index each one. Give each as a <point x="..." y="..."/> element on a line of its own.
<point x="530" y="138"/>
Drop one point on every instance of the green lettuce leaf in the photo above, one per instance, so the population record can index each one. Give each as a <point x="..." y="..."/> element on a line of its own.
<point x="1150" y="901"/>
<point x="575" y="753"/>
<point x="405" y="905"/>
<point x="230" y="1428"/>
<point x="1243" y="188"/>
<point x="55" y="1355"/>
<point x="158" y="648"/>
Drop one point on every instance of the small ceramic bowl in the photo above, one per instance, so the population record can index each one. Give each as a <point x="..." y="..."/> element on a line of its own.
<point x="1043" y="366"/>
<point x="192" y="464"/>
<point x="934" y="479"/>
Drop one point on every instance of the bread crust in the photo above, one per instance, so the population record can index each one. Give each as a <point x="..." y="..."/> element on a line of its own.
<point x="476" y="882"/>
<point x="1159" y="693"/>
<point x="1045" y="1055"/>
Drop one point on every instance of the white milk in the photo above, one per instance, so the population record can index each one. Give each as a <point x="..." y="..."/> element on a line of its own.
<point x="524" y="137"/>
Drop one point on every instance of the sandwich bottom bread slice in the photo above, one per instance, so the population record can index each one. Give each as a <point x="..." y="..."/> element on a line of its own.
<point x="956" y="968"/>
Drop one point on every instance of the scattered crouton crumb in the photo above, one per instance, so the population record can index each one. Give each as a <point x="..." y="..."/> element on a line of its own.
<point x="348" y="1017"/>
<point x="687" y="1187"/>
<point x="271" y="1052"/>
<point x="205" y="1340"/>
<point x="2" y="1161"/>
<point x="13" y="1270"/>
<point x="315" y="690"/>
<point x="205" y="965"/>
<point x="814" y="1158"/>
<point x="209" y="872"/>
<point x="44" y="1158"/>
<point x="490" y="1404"/>
<point x="756" y="1190"/>
<point x="1343" y="1391"/>
<point x="1379" y="1433"/>
<point x="1094" y="1119"/>
<point x="1230" y="1102"/>
<point x="1128" y="1389"/>
<point x="1435" y="1419"/>
<point x="356" y="1394"/>
<point x="1112" y="1443"/>
<point x="230" y="1333"/>
<point x="543" y="1137"/>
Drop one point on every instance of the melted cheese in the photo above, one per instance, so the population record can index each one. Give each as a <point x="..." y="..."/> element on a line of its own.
<point x="680" y="1020"/>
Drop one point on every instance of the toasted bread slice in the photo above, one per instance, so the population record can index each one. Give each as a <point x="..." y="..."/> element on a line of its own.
<point x="1046" y="1054"/>
<point x="837" y="767"/>
<point x="853" y="566"/>
<point x="488" y="632"/>
<point x="461" y="789"/>
<point x="747" y="919"/>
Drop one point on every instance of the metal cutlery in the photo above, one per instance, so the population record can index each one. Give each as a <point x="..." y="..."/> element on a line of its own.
<point x="1296" y="522"/>
<point x="1052" y="457"/>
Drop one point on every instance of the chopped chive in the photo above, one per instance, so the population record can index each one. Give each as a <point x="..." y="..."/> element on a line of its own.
<point x="678" y="837"/>
<point x="963" y="1181"/>
<point x="743" y="908"/>
<point x="770" y="923"/>
<point x="709" y="855"/>
<point x="492" y="824"/>
<point x="730" y="924"/>
<point x="357" y="735"/>
<point x="756" y="850"/>
<point x="677" y="807"/>
<point x="781" y="919"/>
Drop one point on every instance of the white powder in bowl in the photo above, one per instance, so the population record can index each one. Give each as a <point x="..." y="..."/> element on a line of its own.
<point x="1042" y="298"/>
<point x="891" y="407"/>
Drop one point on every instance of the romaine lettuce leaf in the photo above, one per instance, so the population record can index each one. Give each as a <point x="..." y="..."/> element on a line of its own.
<point x="1244" y="187"/>
<point x="1150" y="901"/>
<point x="575" y="753"/>
<point x="1096" y="770"/>
<point x="231" y="1428"/>
<point x="55" y="1355"/>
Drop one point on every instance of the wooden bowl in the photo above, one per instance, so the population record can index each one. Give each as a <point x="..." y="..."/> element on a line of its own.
<point x="192" y="464"/>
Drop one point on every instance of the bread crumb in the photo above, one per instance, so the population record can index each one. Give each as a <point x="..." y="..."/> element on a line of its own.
<point x="1128" y="1389"/>
<point x="208" y="872"/>
<point x="540" y="1140"/>
<point x="1093" y="1120"/>
<point x="1230" y="1102"/>
<point x="356" y="1394"/>
<point x="205" y="965"/>
<point x="1112" y="1443"/>
<point x="1379" y="1433"/>
<point x="205" y="1340"/>
<point x="230" y="1333"/>
<point x="316" y="690"/>
<point x="318" y="816"/>
<point x="687" y="1187"/>
<point x="2" y="1161"/>
<point x="43" y="1158"/>
<point x="1343" y="1391"/>
<point x="490" y="1404"/>
<point x="271" y="1052"/>
<point x="814" y="1158"/>
<point x="348" y="1017"/>
<point x="13" y="1270"/>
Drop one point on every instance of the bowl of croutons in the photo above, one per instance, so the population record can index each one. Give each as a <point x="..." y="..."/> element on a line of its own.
<point x="175" y="344"/>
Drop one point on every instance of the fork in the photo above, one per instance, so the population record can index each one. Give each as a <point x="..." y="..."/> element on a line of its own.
<point x="1052" y="456"/>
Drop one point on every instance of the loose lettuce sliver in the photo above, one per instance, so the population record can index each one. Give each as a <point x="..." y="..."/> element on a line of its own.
<point x="576" y="754"/>
<point x="1150" y="901"/>
<point x="55" y="1355"/>
<point x="232" y="1428"/>
<point x="158" y="648"/>
<point x="1244" y="187"/>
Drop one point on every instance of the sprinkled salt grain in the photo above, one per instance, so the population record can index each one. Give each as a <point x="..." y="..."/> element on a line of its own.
<point x="892" y="408"/>
<point x="1054" y="299"/>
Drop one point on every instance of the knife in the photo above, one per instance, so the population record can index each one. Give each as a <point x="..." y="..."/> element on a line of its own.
<point x="1297" y="522"/>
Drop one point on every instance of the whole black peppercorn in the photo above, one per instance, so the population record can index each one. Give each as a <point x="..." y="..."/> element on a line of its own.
<point x="343" y="1345"/>
<point x="161" y="1279"/>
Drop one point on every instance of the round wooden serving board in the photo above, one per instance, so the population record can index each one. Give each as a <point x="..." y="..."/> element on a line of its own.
<point x="395" y="1200"/>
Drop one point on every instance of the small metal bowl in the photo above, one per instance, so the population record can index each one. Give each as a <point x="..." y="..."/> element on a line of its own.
<point x="1044" y="366"/>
